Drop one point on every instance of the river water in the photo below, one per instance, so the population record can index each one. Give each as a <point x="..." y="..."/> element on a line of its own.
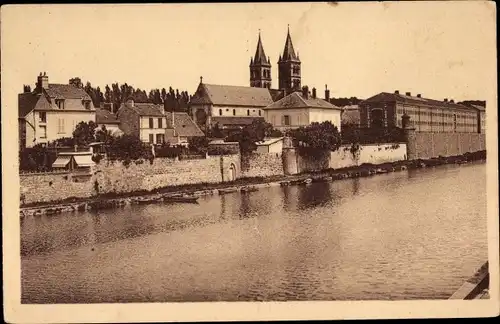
<point x="414" y="234"/>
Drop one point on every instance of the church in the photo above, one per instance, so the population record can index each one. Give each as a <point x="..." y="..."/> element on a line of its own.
<point x="233" y="107"/>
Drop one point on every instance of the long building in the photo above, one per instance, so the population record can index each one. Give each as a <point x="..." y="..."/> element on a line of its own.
<point x="426" y="115"/>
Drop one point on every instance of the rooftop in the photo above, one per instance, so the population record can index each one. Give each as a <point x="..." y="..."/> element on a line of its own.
<point x="235" y="121"/>
<point x="104" y="116"/>
<point x="66" y="91"/>
<point x="146" y="109"/>
<point x="231" y="95"/>
<point x="183" y="125"/>
<point x="297" y="100"/>
<point x="392" y="97"/>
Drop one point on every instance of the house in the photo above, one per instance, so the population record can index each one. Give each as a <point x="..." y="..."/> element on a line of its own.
<point x="229" y="107"/>
<point x="180" y="127"/>
<point x="270" y="145"/>
<point x="109" y="120"/>
<point x="426" y="115"/>
<point x="144" y="120"/>
<point x="52" y="111"/>
<point x="301" y="109"/>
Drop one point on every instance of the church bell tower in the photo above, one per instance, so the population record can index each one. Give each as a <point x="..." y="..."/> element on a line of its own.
<point x="260" y="68"/>
<point x="289" y="73"/>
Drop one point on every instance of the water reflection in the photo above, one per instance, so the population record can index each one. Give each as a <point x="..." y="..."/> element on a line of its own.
<point x="340" y="240"/>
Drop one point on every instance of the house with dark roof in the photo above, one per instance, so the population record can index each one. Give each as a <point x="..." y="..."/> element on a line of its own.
<point x="180" y="128"/>
<point x="144" y="120"/>
<point x="228" y="106"/>
<point x="105" y="118"/>
<point x="52" y="111"/>
<point x="426" y="115"/>
<point x="301" y="109"/>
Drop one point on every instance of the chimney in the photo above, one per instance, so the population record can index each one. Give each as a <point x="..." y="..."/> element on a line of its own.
<point x="305" y="92"/>
<point x="408" y="94"/>
<point x="129" y="103"/>
<point x="314" y="93"/>
<point x="396" y="92"/>
<point x="419" y="96"/>
<point x="327" y="93"/>
<point x="43" y="81"/>
<point x="445" y="100"/>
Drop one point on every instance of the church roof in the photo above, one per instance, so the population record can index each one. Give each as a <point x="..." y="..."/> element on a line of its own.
<point x="297" y="100"/>
<point x="231" y="95"/>
<point x="289" y="52"/>
<point x="260" y="55"/>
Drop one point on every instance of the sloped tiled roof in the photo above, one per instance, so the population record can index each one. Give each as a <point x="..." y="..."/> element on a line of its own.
<point x="66" y="91"/>
<point x="30" y="101"/>
<point x="480" y="108"/>
<point x="184" y="125"/>
<point x="103" y="116"/>
<point x="231" y="95"/>
<point x="146" y="109"/>
<point x="296" y="100"/>
<point x="235" y="121"/>
<point x="392" y="97"/>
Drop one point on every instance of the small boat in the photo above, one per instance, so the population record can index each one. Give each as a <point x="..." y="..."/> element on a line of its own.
<point x="182" y="199"/>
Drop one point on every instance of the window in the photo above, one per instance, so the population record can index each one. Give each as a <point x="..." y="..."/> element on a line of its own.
<point x="248" y="112"/>
<point x="42" y="117"/>
<point x="234" y="112"/>
<point x="160" y="138"/>
<point x="43" y="131"/>
<point x="87" y="105"/>
<point x="286" y="120"/>
<point x="60" y="103"/>
<point x="160" y="122"/>
<point x="273" y="120"/>
<point x="151" y="123"/>
<point x="60" y="126"/>
<point x="151" y="138"/>
<point x="260" y="112"/>
<point x="220" y="112"/>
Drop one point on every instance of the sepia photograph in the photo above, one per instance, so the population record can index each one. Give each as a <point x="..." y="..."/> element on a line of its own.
<point x="249" y="161"/>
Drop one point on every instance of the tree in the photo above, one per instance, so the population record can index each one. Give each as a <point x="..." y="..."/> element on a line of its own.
<point x="128" y="147"/>
<point x="84" y="133"/>
<point x="76" y="81"/>
<point x="198" y="144"/>
<point x="103" y="135"/>
<point x="317" y="136"/>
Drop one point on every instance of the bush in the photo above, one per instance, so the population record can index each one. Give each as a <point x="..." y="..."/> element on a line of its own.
<point x="198" y="145"/>
<point x="37" y="158"/>
<point x="128" y="147"/>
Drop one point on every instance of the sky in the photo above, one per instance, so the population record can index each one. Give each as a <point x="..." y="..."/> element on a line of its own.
<point x="440" y="50"/>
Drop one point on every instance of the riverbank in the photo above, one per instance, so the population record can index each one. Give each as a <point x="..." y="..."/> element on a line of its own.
<point x="243" y="184"/>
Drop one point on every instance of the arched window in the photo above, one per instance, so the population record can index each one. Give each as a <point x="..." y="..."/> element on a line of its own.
<point x="220" y="112"/>
<point x="248" y="112"/>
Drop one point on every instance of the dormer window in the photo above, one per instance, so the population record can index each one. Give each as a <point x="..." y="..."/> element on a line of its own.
<point x="86" y="103"/>
<point x="60" y="103"/>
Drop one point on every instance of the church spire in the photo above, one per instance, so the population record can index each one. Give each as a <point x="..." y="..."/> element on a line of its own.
<point x="289" y="52"/>
<point x="260" y="55"/>
<point x="260" y="68"/>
